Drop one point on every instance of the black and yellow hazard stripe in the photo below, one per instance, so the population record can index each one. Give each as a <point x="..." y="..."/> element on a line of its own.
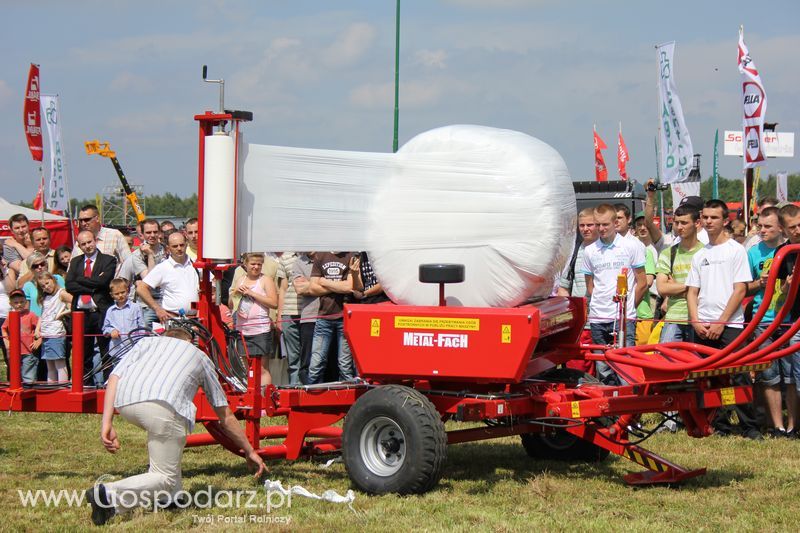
<point x="644" y="460"/>
<point x="731" y="370"/>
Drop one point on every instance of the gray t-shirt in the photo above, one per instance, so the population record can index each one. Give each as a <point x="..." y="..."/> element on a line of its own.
<point x="308" y="305"/>
<point x="135" y="264"/>
<point x="10" y="254"/>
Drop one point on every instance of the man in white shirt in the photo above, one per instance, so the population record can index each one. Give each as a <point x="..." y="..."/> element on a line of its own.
<point x="177" y="279"/>
<point x="716" y="285"/>
<point x="153" y="387"/>
<point x="604" y="261"/>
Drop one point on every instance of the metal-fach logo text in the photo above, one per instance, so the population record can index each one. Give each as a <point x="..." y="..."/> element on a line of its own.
<point x="439" y="340"/>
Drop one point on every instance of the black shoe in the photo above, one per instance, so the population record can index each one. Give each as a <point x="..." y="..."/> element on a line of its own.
<point x="777" y="433"/>
<point x="753" y="434"/>
<point x="790" y="433"/>
<point x="102" y="510"/>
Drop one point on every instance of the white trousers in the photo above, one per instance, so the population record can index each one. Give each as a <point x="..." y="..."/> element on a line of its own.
<point x="166" y="437"/>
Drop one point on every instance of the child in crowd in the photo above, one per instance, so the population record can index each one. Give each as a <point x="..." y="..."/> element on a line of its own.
<point x="54" y="302"/>
<point x="28" y="322"/>
<point x="123" y="317"/>
<point x="258" y="295"/>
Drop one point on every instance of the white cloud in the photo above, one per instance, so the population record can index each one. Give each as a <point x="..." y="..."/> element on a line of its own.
<point x="415" y="94"/>
<point x="350" y="45"/>
<point x="127" y="81"/>
<point x="431" y="58"/>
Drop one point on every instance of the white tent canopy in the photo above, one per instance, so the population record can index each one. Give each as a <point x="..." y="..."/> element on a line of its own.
<point x="7" y="209"/>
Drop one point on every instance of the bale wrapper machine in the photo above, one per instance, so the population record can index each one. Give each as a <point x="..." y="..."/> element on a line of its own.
<point x="500" y="369"/>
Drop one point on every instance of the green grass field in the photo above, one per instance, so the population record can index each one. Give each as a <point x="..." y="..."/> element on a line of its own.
<point x="491" y="485"/>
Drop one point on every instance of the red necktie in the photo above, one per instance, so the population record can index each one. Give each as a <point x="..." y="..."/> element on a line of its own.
<point x="87" y="271"/>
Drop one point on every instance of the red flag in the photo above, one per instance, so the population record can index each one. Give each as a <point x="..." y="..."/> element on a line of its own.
<point x="622" y="158"/>
<point x="38" y="201"/>
<point x="31" y="117"/>
<point x="600" y="170"/>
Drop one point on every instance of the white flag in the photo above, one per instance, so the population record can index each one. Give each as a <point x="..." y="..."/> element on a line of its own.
<point x="754" y="105"/>
<point x="682" y="190"/>
<point x="57" y="184"/>
<point x="676" y="144"/>
<point x="782" y="186"/>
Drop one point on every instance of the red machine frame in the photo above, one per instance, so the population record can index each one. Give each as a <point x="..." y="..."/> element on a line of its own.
<point x="499" y="366"/>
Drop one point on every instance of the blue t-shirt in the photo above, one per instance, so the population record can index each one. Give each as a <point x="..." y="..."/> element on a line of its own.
<point x="32" y="294"/>
<point x="760" y="259"/>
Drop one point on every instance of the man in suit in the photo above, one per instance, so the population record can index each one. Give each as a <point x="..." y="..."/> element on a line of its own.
<point x="88" y="280"/>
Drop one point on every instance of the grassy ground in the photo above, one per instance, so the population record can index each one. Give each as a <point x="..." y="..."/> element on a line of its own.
<point x="490" y="485"/>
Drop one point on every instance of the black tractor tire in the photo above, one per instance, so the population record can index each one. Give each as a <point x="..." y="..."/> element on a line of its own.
<point x="394" y="441"/>
<point x="557" y="444"/>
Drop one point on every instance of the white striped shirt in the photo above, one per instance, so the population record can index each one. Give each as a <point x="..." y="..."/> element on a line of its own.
<point x="168" y="370"/>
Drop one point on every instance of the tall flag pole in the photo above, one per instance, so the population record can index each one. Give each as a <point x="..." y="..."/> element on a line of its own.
<point x="31" y="117"/>
<point x="754" y="106"/>
<point x="715" y="173"/>
<point x="57" y="196"/>
<point x="622" y="156"/>
<point x="677" y="155"/>
<point x="781" y="186"/>
<point x="396" y="77"/>
<point x="754" y="109"/>
<point x="658" y="180"/>
<point x="600" y="170"/>
<point x="32" y="120"/>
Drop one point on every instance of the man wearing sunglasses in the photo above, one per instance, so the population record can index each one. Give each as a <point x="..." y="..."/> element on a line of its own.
<point x="40" y="237"/>
<point x="109" y="241"/>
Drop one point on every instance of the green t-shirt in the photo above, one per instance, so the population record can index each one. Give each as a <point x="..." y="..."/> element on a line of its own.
<point x="677" y="310"/>
<point x="645" y="309"/>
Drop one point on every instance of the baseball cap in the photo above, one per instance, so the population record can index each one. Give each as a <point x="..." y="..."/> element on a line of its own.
<point x="693" y="202"/>
<point x="16" y="292"/>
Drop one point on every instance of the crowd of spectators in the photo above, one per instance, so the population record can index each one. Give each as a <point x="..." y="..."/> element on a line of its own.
<point x="285" y="305"/>
<point x="687" y="284"/>
<point x="698" y="283"/>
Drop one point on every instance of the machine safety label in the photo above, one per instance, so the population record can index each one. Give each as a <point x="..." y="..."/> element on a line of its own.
<point x="728" y="396"/>
<point x="375" y="327"/>
<point x="436" y="322"/>
<point x="505" y="334"/>
<point x="576" y="409"/>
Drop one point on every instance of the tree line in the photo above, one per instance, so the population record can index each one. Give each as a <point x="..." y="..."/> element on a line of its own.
<point x="730" y="190"/>
<point x="157" y="205"/>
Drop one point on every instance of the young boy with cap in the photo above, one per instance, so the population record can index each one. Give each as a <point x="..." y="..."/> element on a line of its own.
<point x="28" y="321"/>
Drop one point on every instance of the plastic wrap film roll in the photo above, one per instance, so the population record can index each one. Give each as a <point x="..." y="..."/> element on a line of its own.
<point x="498" y="201"/>
<point x="508" y="215"/>
<point x="219" y="198"/>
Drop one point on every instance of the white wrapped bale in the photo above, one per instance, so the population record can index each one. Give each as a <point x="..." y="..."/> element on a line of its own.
<point x="497" y="201"/>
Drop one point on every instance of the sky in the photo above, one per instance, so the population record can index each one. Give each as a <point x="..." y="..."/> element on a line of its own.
<point x="320" y="74"/>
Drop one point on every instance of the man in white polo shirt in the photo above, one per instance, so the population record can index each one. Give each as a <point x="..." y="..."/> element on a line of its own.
<point x="603" y="261"/>
<point x="177" y="279"/>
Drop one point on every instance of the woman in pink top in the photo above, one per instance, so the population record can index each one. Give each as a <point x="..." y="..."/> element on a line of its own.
<point x="251" y="315"/>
